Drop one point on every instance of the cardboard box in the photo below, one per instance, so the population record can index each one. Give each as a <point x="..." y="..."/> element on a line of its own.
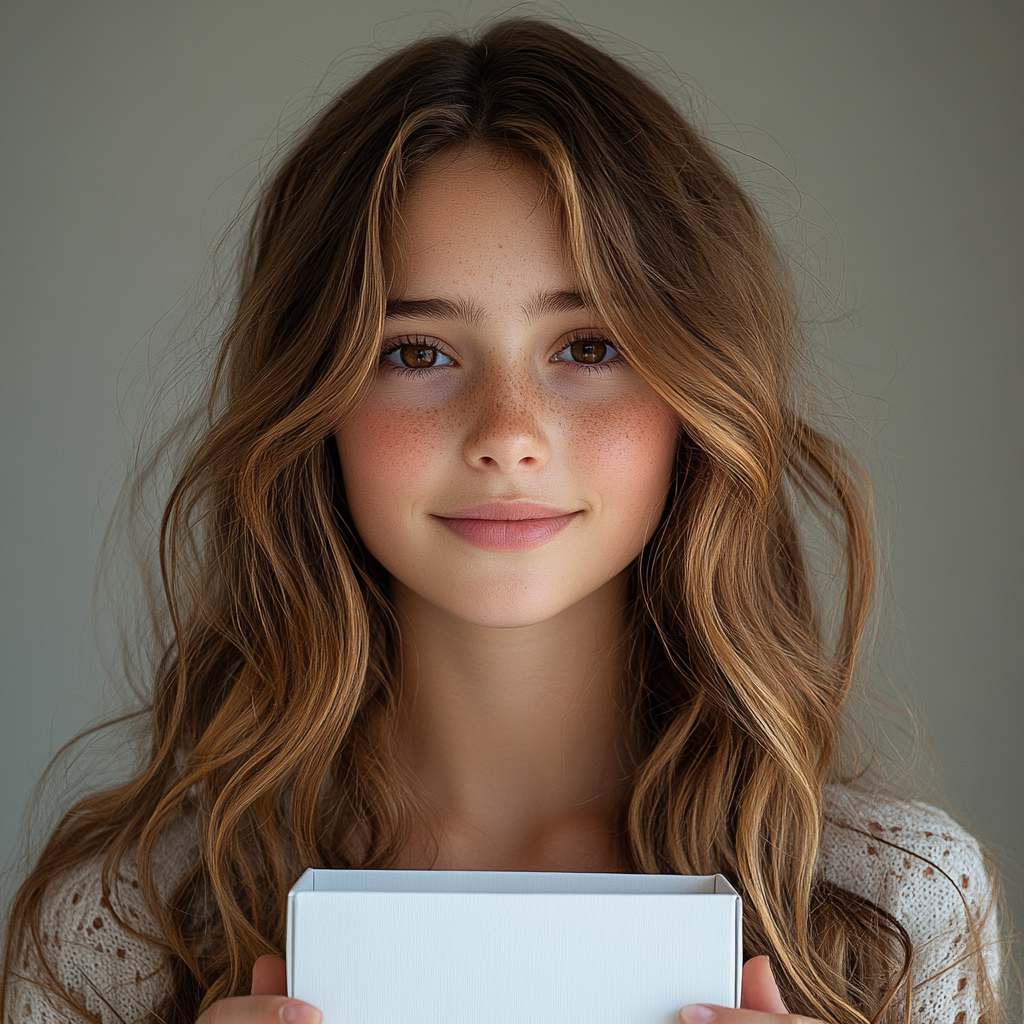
<point x="492" y="947"/>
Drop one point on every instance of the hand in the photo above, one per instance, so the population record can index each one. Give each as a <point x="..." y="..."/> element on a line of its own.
<point x="760" y="1002"/>
<point x="268" y="1004"/>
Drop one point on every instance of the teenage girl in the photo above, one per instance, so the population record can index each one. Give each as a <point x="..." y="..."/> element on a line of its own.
<point x="489" y="557"/>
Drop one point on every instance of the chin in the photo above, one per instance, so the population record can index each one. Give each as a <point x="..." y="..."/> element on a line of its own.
<point x="511" y="613"/>
<point x="506" y="620"/>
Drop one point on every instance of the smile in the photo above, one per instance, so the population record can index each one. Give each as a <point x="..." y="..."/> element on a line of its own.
<point x="507" y="534"/>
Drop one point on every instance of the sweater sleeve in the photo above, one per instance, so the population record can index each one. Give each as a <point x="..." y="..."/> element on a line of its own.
<point x="107" y="972"/>
<point x="914" y="861"/>
<point x="104" y="968"/>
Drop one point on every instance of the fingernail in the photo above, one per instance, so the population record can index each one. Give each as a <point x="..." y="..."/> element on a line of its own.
<point x="697" y="1014"/>
<point x="300" y="1013"/>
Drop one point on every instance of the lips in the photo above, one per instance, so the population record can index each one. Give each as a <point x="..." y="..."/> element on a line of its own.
<point x="507" y="526"/>
<point x="510" y="511"/>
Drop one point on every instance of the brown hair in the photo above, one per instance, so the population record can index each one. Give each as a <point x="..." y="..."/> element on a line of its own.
<point x="276" y="686"/>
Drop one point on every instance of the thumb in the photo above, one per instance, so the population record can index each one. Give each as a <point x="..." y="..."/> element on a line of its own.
<point x="269" y="977"/>
<point x="759" y="989"/>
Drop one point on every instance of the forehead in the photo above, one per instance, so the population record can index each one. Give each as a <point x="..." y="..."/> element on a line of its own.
<point x="475" y="215"/>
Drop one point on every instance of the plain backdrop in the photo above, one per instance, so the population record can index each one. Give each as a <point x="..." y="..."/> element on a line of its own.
<point x="885" y="140"/>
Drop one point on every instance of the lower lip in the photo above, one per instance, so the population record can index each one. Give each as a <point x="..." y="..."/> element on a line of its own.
<point x="507" y="534"/>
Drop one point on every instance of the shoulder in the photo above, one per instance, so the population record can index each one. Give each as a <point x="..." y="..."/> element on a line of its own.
<point x="883" y="843"/>
<point x="914" y="861"/>
<point x="116" y="973"/>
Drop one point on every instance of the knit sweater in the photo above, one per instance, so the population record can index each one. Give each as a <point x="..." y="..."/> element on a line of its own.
<point x="908" y="858"/>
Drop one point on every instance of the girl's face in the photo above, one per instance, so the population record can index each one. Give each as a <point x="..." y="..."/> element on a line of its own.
<point x="497" y="384"/>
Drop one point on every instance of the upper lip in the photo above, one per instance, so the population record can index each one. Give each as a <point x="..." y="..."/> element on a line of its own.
<point x="509" y="510"/>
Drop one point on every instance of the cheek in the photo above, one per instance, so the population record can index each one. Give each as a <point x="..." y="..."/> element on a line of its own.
<point x="386" y="453"/>
<point x="627" y="448"/>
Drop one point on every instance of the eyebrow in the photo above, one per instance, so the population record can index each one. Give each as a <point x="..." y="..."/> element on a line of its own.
<point x="547" y="303"/>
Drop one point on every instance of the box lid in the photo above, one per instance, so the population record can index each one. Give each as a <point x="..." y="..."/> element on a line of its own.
<point x="323" y="880"/>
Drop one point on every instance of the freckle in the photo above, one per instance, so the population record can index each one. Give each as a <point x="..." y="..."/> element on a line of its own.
<point x="964" y="881"/>
<point x="121" y="953"/>
<point x="929" y="834"/>
<point x="873" y="850"/>
<point x="76" y="898"/>
<point x="929" y="871"/>
<point x="961" y="985"/>
<point x="874" y="826"/>
<point x="896" y="828"/>
<point x="906" y="862"/>
<point x="98" y="922"/>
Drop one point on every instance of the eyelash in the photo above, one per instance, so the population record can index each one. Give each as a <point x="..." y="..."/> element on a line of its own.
<point x="421" y="342"/>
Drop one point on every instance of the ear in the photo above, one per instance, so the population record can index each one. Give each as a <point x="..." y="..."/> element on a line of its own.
<point x="269" y="977"/>
<point x="759" y="989"/>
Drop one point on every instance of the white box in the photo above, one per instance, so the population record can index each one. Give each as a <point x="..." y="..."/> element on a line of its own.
<point x="496" y="947"/>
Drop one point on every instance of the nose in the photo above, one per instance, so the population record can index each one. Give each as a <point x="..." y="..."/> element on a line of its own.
<point x="508" y="425"/>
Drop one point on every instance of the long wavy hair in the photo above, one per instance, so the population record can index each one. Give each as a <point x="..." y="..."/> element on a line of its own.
<point x="272" y="702"/>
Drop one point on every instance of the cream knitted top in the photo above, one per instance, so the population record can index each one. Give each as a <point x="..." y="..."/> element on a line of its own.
<point x="908" y="858"/>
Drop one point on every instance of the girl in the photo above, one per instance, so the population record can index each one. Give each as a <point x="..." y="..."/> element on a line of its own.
<point x="490" y="557"/>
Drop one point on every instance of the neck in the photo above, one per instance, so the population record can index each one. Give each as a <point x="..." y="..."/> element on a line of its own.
<point x="515" y="738"/>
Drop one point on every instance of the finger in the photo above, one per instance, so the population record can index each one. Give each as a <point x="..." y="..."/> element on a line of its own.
<point x="269" y="977"/>
<point x="260" y="1010"/>
<point x="760" y="992"/>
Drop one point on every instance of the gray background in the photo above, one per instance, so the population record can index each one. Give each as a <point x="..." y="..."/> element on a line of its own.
<point x="885" y="139"/>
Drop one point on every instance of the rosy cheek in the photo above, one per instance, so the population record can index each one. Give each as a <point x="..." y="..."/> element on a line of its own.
<point x="386" y="452"/>
<point x="629" y="445"/>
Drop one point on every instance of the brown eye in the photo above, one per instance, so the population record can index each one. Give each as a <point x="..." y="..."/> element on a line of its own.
<point x="416" y="357"/>
<point x="588" y="350"/>
<point x="590" y="353"/>
<point x="408" y="357"/>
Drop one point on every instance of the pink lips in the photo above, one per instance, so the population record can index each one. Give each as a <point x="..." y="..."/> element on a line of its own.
<point x="507" y="526"/>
